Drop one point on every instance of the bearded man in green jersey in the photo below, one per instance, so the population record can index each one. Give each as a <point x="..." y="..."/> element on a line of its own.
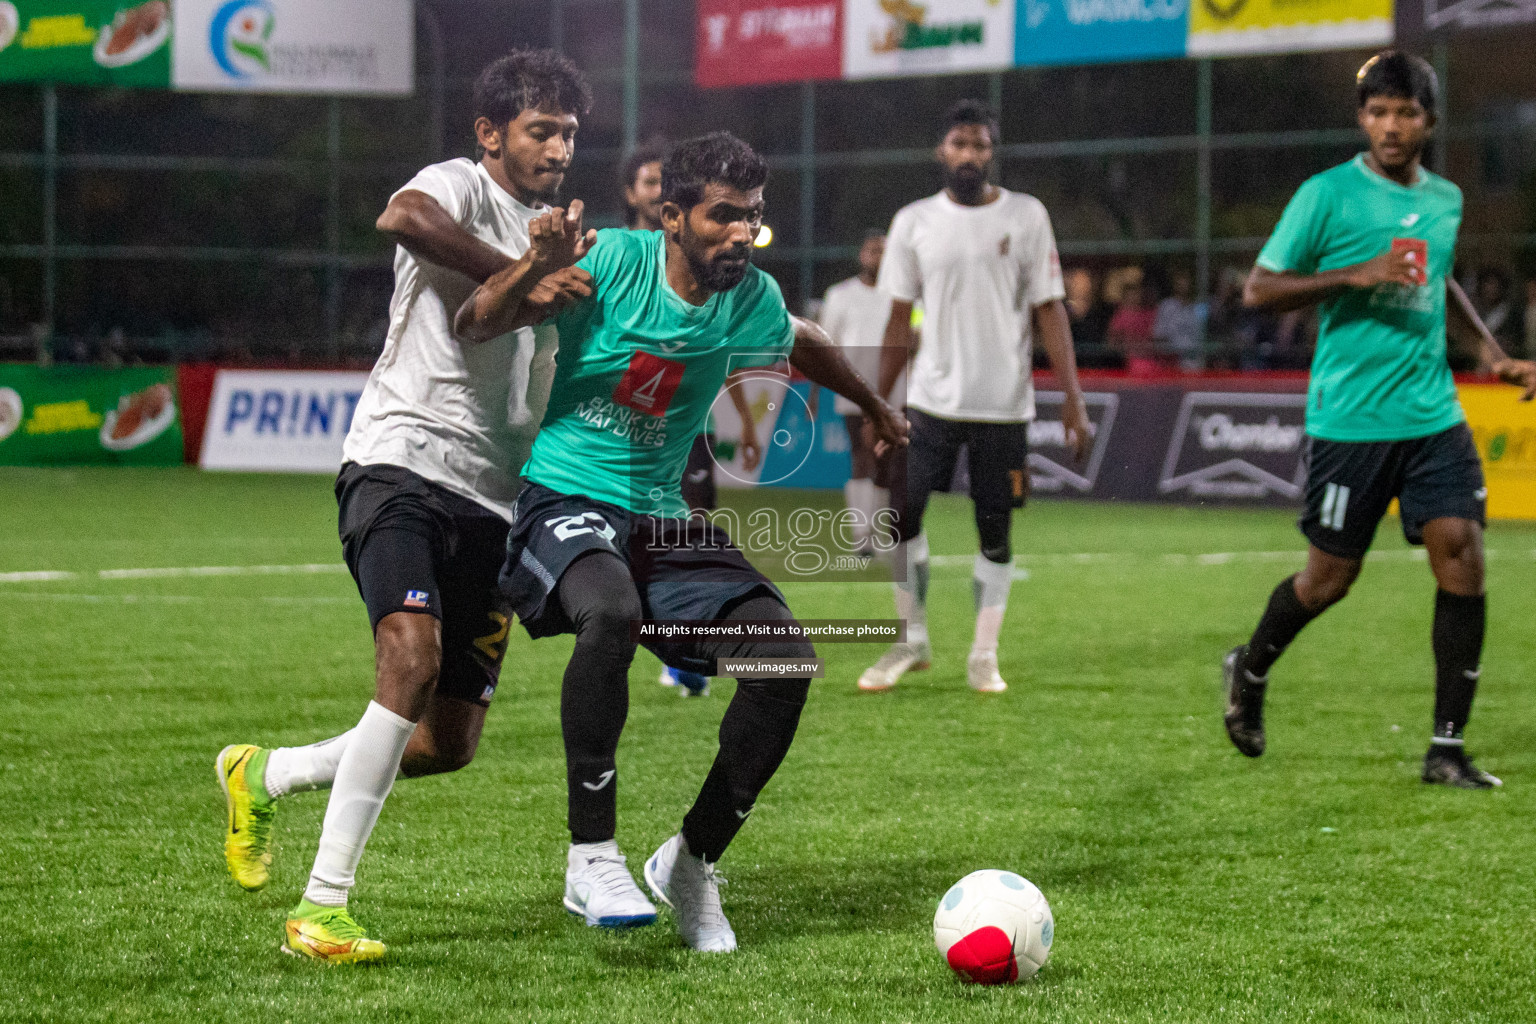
<point x="650" y="325"/>
<point x="1373" y="242"/>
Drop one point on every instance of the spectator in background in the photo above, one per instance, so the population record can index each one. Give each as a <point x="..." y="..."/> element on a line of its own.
<point x="1493" y="302"/>
<point x="641" y="179"/>
<point x="1088" y="315"/>
<point x="1180" y="324"/>
<point x="1529" y="333"/>
<point x="1130" y="329"/>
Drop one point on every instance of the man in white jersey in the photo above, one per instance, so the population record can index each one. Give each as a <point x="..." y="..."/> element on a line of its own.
<point x="425" y="495"/>
<point x="983" y="261"/>
<point x="855" y="313"/>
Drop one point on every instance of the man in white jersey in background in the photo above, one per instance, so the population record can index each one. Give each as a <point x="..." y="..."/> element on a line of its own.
<point x="983" y="261"/>
<point x="425" y="495"/>
<point x="855" y="313"/>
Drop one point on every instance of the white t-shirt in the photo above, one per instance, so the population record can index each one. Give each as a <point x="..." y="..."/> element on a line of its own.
<point x="855" y="314"/>
<point x="979" y="271"/>
<point x="459" y="414"/>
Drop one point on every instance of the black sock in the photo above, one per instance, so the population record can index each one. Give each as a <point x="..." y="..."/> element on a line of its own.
<point x="1284" y="617"/>
<point x="599" y="598"/>
<point x="1458" y="640"/>
<point x="755" y="733"/>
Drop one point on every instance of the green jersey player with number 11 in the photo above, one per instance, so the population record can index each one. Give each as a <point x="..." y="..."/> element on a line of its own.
<point x="1373" y="242"/>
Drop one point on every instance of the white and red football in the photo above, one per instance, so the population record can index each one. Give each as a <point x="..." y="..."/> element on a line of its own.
<point x="994" y="928"/>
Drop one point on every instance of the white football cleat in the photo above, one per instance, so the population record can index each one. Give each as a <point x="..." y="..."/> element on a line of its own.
<point x="600" y="889"/>
<point x="668" y="676"/>
<point x="893" y="664"/>
<point x="692" y="889"/>
<point x="981" y="672"/>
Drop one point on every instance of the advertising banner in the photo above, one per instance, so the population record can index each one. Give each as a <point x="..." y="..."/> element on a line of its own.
<point x="86" y="42"/>
<point x="1093" y="31"/>
<point x="69" y="415"/>
<point x="885" y="38"/>
<point x="1219" y="28"/>
<point x="275" y="421"/>
<point x="1417" y="19"/>
<point x="1505" y="431"/>
<point x="364" y="47"/>
<point x="758" y="42"/>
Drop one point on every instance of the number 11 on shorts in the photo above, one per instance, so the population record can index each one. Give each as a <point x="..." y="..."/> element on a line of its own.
<point x="1335" y="501"/>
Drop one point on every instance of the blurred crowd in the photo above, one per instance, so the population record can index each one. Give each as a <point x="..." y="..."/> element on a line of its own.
<point x="1142" y="319"/>
<point x="1147" y="320"/>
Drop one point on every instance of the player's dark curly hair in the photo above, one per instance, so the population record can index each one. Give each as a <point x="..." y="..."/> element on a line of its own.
<point x="651" y="151"/>
<point x="719" y="157"/>
<point x="531" y="80"/>
<point x="971" y="112"/>
<point x="1398" y="75"/>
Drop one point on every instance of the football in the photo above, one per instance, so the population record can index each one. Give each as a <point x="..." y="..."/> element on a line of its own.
<point x="994" y="928"/>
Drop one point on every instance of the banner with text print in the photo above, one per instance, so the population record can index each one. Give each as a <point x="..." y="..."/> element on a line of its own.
<point x="886" y="38"/>
<point x="83" y="415"/>
<point x="361" y="47"/>
<point x="280" y="421"/>
<point x="1224" y="28"/>
<point x="1096" y="31"/>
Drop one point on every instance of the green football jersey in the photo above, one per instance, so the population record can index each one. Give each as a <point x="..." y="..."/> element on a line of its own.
<point x="1380" y="371"/>
<point x="638" y="370"/>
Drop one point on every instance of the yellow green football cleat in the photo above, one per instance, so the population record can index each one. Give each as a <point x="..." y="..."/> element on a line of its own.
<point x="248" y="832"/>
<point x="329" y="934"/>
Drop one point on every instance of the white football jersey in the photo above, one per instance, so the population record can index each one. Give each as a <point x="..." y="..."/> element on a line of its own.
<point x="459" y="414"/>
<point x="979" y="272"/>
<point x="855" y="315"/>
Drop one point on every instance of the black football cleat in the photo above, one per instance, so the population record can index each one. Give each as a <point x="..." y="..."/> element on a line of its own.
<point x="1451" y="766"/>
<point x="1245" y="705"/>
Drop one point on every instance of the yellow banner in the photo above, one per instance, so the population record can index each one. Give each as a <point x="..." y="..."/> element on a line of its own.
<point x="1505" y="430"/>
<point x="1227" y="27"/>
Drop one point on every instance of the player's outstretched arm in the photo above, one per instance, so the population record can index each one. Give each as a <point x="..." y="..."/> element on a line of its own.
<point x="751" y="451"/>
<point x="1054" y="329"/>
<point x="538" y="285"/>
<point x="419" y="223"/>
<point x="896" y="347"/>
<point x="823" y="363"/>
<point x="1281" y="292"/>
<point x="1519" y="372"/>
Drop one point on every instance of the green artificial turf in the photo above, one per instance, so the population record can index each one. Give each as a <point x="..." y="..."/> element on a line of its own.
<point x="1320" y="882"/>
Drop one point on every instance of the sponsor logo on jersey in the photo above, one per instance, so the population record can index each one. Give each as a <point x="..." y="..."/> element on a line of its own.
<point x="415" y="599"/>
<point x="649" y="383"/>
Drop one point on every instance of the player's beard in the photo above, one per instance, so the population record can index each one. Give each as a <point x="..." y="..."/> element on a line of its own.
<point x="720" y="274"/>
<point x="966" y="182"/>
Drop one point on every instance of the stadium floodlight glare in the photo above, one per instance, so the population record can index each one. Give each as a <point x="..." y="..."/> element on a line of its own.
<point x="764" y="237"/>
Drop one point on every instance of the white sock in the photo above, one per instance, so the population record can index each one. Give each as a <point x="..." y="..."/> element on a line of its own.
<point x="301" y="769"/>
<point x="854" y="499"/>
<point x="991" y="582"/>
<point x="363" y="779"/>
<point x="912" y="593"/>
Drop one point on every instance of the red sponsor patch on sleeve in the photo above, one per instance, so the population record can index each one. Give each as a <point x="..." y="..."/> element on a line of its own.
<point x="649" y="384"/>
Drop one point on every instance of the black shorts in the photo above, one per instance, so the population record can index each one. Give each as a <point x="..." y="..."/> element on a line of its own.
<point x="699" y="475"/>
<point x="998" y="455"/>
<point x="1350" y="484"/>
<point x="413" y="546"/>
<point x="683" y="568"/>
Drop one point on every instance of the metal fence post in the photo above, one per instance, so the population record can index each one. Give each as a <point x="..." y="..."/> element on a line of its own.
<point x="50" y="211"/>
<point x="1204" y="102"/>
<point x="631" y="74"/>
<point x="807" y="192"/>
<point x="1441" y="55"/>
<point x="333" y="228"/>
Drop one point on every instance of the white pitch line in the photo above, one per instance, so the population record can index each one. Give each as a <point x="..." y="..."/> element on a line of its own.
<point x="168" y="572"/>
<point x="42" y="576"/>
